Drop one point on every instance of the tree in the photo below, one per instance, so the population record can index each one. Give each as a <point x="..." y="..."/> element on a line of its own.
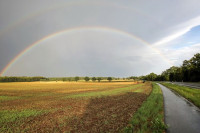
<point x="189" y="71"/>
<point x="87" y="79"/>
<point x="151" y="77"/>
<point x="178" y="75"/>
<point x="64" y="79"/>
<point x="94" y="79"/>
<point x="109" y="79"/>
<point x="21" y="79"/>
<point x="186" y="70"/>
<point x="133" y="77"/>
<point x="69" y="79"/>
<point x="194" y="67"/>
<point x="173" y="73"/>
<point x="99" y="79"/>
<point x="76" y="78"/>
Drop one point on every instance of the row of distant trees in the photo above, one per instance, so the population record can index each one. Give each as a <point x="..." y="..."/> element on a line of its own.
<point x="32" y="79"/>
<point x="88" y="79"/>
<point x="98" y="79"/>
<point x="21" y="79"/>
<point x="188" y="71"/>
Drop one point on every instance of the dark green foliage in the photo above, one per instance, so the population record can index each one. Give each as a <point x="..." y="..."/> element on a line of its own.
<point x="99" y="79"/>
<point x="94" y="79"/>
<point x="151" y="77"/>
<point x="109" y="79"/>
<point x="32" y="79"/>
<point x="21" y="79"/>
<point x="64" y="79"/>
<point x="86" y="79"/>
<point x="76" y="78"/>
<point x="189" y="71"/>
<point x="133" y="77"/>
<point x="69" y="79"/>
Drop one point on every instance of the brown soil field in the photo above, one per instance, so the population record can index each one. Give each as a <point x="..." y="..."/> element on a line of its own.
<point x="69" y="106"/>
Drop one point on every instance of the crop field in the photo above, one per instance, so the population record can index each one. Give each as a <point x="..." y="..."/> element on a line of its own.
<point x="69" y="106"/>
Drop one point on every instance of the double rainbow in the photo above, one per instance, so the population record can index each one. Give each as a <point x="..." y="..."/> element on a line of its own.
<point x="71" y="30"/>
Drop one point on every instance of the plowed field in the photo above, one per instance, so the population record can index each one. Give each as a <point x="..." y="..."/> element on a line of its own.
<point x="69" y="106"/>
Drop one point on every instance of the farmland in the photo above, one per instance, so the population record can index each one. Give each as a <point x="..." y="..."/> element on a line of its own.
<point x="69" y="106"/>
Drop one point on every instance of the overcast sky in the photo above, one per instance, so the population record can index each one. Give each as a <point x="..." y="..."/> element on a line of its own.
<point x="97" y="38"/>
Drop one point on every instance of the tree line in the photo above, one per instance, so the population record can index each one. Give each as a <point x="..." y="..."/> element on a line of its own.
<point x="189" y="71"/>
<point x="21" y="79"/>
<point x="32" y="79"/>
<point x="88" y="79"/>
<point x="98" y="79"/>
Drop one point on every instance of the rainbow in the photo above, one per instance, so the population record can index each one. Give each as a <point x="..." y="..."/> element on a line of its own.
<point x="70" y="30"/>
<point x="20" y="21"/>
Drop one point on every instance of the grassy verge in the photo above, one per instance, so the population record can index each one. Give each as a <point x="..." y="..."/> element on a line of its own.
<point x="192" y="95"/>
<point x="149" y="117"/>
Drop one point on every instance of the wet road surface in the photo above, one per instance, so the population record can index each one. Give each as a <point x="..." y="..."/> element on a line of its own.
<point x="180" y="115"/>
<point x="192" y="85"/>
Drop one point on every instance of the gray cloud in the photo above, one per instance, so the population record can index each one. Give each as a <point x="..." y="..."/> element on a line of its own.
<point x="99" y="54"/>
<point x="24" y="22"/>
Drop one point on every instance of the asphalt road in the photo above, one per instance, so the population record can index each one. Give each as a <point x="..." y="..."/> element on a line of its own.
<point x="192" y="85"/>
<point x="180" y="115"/>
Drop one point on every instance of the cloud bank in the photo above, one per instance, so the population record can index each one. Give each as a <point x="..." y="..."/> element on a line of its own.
<point x="163" y="24"/>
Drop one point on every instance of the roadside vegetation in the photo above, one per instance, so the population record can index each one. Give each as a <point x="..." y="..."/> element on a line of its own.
<point x="191" y="94"/>
<point x="70" y="106"/>
<point x="150" y="116"/>
<point x="189" y="71"/>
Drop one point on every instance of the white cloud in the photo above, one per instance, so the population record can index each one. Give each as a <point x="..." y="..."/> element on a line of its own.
<point x="177" y="56"/>
<point x="180" y="29"/>
<point x="191" y="42"/>
<point x="172" y="37"/>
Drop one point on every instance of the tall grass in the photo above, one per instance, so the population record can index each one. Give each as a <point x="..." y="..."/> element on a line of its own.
<point x="149" y="117"/>
<point x="192" y="95"/>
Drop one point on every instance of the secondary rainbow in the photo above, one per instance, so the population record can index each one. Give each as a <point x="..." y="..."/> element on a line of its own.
<point x="70" y="30"/>
<point x="38" y="13"/>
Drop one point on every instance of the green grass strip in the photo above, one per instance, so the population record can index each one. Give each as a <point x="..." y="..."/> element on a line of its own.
<point x="15" y="115"/>
<point x="191" y="94"/>
<point x="10" y="119"/>
<point x="105" y="93"/>
<point x="7" y="98"/>
<point x="149" y="117"/>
